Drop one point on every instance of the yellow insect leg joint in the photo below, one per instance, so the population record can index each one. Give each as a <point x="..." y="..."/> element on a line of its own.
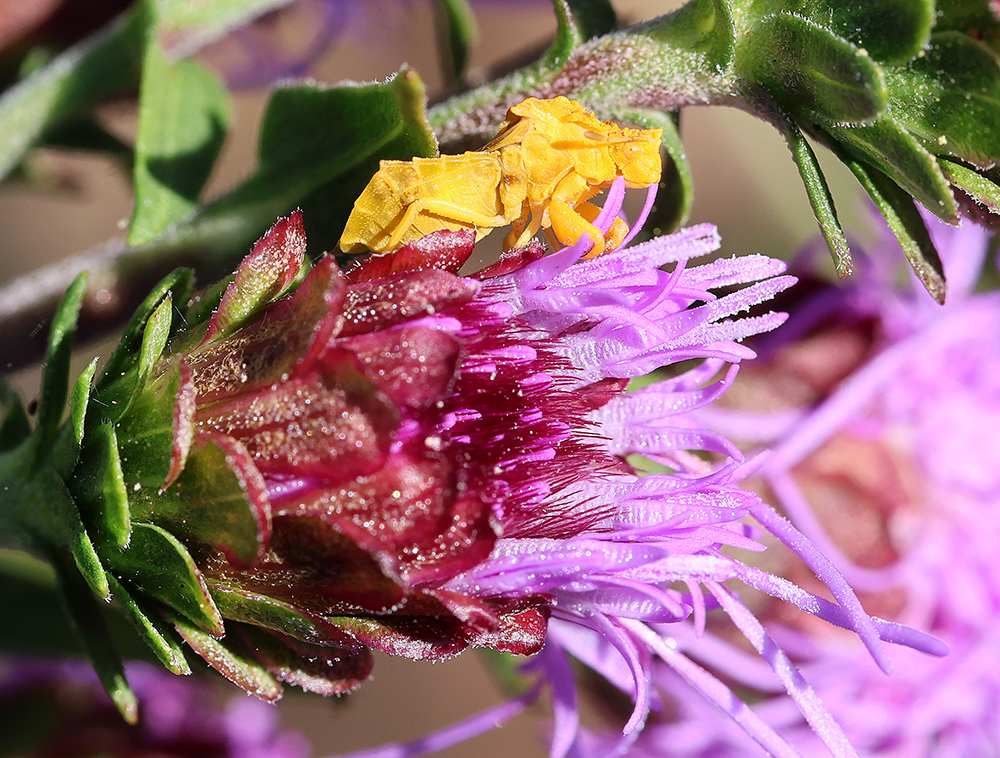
<point x="569" y="226"/>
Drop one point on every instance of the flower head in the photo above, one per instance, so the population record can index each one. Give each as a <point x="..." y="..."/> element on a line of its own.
<point x="310" y="464"/>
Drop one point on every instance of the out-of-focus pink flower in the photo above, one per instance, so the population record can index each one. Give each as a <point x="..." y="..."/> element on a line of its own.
<point x="288" y="42"/>
<point x="58" y="709"/>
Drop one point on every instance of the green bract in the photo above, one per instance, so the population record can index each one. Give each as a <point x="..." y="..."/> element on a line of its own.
<point x="117" y="495"/>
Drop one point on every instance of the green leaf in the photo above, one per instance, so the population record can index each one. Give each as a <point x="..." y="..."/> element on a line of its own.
<point x="456" y="25"/>
<point x="162" y="640"/>
<point x="38" y="514"/>
<point x="15" y="427"/>
<point x="178" y="284"/>
<point x="906" y="225"/>
<point x="231" y="659"/>
<point x="950" y="98"/>
<point x="99" y="487"/>
<point x="154" y="337"/>
<point x="199" y="311"/>
<point x="183" y="117"/>
<point x="88" y="562"/>
<point x="155" y="435"/>
<point x="90" y="626"/>
<point x="80" y="398"/>
<point x="705" y="28"/>
<point x="74" y="81"/>
<point x="892" y="151"/>
<point x="55" y="378"/>
<point x="106" y="63"/>
<point x="891" y="31"/>
<point x="810" y="72"/>
<point x="269" y="270"/>
<point x="215" y="501"/>
<point x="985" y="192"/>
<point x="311" y="129"/>
<point x="820" y="198"/>
<point x="156" y="563"/>
<point x="319" y="147"/>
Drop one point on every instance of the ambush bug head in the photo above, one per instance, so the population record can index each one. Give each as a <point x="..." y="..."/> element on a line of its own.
<point x="637" y="156"/>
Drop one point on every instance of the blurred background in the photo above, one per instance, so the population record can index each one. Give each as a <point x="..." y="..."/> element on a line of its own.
<point x="745" y="183"/>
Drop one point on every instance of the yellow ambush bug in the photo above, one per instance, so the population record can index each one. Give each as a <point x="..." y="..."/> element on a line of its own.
<point x="549" y="158"/>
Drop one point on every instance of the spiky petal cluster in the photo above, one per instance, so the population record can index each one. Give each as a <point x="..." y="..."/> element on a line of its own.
<point x="892" y="470"/>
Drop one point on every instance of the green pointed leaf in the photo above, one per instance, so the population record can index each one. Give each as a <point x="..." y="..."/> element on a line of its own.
<point x="268" y="271"/>
<point x="456" y="24"/>
<point x="162" y="640"/>
<point x="99" y="488"/>
<point x="704" y="28"/>
<point x="55" y="378"/>
<point x="950" y="98"/>
<point x="15" y="427"/>
<point x="183" y="118"/>
<point x="155" y="336"/>
<point x="50" y="516"/>
<point x="985" y="192"/>
<point x="155" y="435"/>
<point x="891" y="31"/>
<point x="332" y="125"/>
<point x="231" y="659"/>
<point x="340" y="134"/>
<point x="73" y="82"/>
<point x="906" y="225"/>
<point x="217" y="500"/>
<point x="200" y="310"/>
<point x="90" y="626"/>
<point x="252" y="608"/>
<point x="810" y="72"/>
<point x="106" y="63"/>
<point x="80" y="398"/>
<point x="178" y="284"/>
<point x="820" y="198"/>
<point x="38" y="514"/>
<point x="156" y="563"/>
<point x="890" y="150"/>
